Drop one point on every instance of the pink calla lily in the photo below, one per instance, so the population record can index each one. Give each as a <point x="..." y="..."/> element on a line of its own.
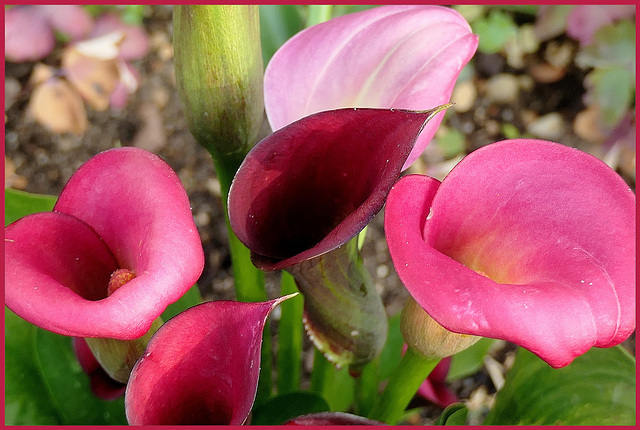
<point x="123" y="209"/>
<point x="528" y="241"/>
<point x="200" y="367"/>
<point x="403" y="57"/>
<point x="435" y="388"/>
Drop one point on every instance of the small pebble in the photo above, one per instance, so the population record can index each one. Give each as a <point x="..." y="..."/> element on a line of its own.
<point x="549" y="126"/>
<point x="503" y="88"/>
<point x="464" y="96"/>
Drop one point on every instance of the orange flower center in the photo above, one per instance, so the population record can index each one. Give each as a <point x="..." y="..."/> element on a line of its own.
<point x="118" y="279"/>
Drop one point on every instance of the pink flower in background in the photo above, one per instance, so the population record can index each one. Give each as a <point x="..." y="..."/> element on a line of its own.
<point x="122" y="223"/>
<point x="585" y="20"/>
<point x="102" y="385"/>
<point x="29" y="30"/>
<point x="403" y="57"/>
<point x="528" y="241"/>
<point x="200" y="367"/>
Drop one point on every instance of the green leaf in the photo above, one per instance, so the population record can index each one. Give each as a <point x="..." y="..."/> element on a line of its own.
<point x="453" y="415"/>
<point x="613" y="45"/>
<point x="289" y="336"/>
<point x="277" y="24"/>
<point x="494" y="31"/>
<point x="282" y="408"/>
<point x="392" y="350"/>
<point x="451" y="142"/>
<point x="612" y="92"/>
<point x="597" y="388"/>
<point x="19" y="203"/>
<point x="470" y="360"/>
<point x="69" y="386"/>
<point x="191" y="298"/>
<point x="26" y="400"/>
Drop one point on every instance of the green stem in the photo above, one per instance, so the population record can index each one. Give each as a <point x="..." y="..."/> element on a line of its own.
<point x="322" y="373"/>
<point x="248" y="279"/>
<point x="319" y="13"/>
<point x="403" y="384"/>
<point x="289" y="336"/>
<point x="366" y="388"/>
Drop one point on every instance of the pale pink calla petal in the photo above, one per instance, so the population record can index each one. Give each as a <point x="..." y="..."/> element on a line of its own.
<point x="27" y="34"/>
<point x="136" y="41"/>
<point x="527" y="241"/>
<point x="201" y="367"/>
<point x="72" y="20"/>
<point x="125" y="208"/>
<point x="585" y="20"/>
<point x="404" y="57"/>
<point x="102" y="385"/>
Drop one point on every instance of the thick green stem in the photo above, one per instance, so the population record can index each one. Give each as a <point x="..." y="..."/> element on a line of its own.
<point x="366" y="388"/>
<point x="322" y="373"/>
<point x="319" y="13"/>
<point x="289" y="336"/>
<point x="403" y="385"/>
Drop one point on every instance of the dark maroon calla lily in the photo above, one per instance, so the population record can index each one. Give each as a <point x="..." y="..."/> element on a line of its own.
<point x="200" y="367"/>
<point x="332" y="419"/>
<point x="102" y="385"/>
<point x="303" y="193"/>
<point x="123" y="209"/>
<point x="527" y="241"/>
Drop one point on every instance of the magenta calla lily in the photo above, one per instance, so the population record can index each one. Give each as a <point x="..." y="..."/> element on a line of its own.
<point x="404" y="57"/>
<point x="527" y="241"/>
<point x="123" y="209"/>
<point x="200" y="367"/>
<point x="435" y="388"/>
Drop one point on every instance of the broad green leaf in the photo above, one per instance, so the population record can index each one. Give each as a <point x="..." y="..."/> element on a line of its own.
<point x="277" y="24"/>
<point x="494" y="31"/>
<point x="191" y="298"/>
<point x="27" y="402"/>
<point x="612" y="91"/>
<point x="597" y="388"/>
<point x="454" y="415"/>
<point x="282" y="408"/>
<point x="392" y="351"/>
<point x="343" y="9"/>
<point x="613" y="45"/>
<point x="19" y="203"/>
<point x="470" y="360"/>
<point x="69" y="386"/>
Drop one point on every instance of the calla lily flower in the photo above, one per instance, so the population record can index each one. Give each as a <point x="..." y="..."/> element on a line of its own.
<point x="305" y="191"/>
<point x="200" y="367"/>
<point x="102" y="385"/>
<point x="123" y="213"/>
<point x="404" y="57"/>
<point x="332" y="419"/>
<point x="528" y="241"/>
<point x="435" y="388"/>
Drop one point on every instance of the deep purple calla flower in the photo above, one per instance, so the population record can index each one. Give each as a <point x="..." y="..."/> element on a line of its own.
<point x="123" y="209"/>
<point x="528" y="241"/>
<point x="102" y="385"/>
<point x="403" y="57"/>
<point x="200" y="367"/>
<point x="310" y="187"/>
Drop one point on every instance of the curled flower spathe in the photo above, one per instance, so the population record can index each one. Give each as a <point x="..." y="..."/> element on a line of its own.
<point x="123" y="210"/>
<point x="527" y="241"/>
<point x="402" y="57"/>
<point x="201" y="367"/>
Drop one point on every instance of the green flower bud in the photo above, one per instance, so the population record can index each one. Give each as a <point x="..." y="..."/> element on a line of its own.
<point x="219" y="71"/>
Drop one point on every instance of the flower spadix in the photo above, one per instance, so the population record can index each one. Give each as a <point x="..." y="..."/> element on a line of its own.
<point x="200" y="367"/>
<point x="305" y="191"/>
<point x="123" y="209"/>
<point x="527" y="241"/>
<point x="405" y="57"/>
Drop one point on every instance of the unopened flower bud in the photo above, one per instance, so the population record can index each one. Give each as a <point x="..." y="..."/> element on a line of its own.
<point x="424" y="334"/>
